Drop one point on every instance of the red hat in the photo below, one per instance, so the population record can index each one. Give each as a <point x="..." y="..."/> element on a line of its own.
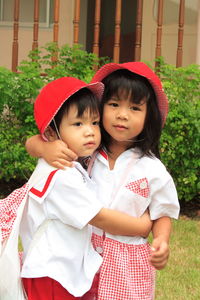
<point x="142" y="70"/>
<point x="55" y="93"/>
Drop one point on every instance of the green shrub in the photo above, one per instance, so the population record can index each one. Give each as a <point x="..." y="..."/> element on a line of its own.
<point x="181" y="135"/>
<point x="17" y="92"/>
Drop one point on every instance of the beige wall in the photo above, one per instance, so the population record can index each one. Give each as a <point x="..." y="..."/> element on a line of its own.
<point x="25" y="37"/>
<point x="169" y="38"/>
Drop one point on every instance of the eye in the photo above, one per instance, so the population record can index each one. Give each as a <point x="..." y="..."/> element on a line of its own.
<point x="113" y="104"/>
<point x="135" y="108"/>
<point x="77" y="124"/>
<point x="96" y="123"/>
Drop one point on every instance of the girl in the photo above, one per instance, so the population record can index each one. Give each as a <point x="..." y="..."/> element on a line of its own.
<point x="131" y="178"/>
<point x="59" y="261"/>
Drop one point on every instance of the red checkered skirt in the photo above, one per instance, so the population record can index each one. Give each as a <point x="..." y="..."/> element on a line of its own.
<point x="125" y="273"/>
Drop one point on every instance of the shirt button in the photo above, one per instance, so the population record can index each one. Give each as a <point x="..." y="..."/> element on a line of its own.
<point x="143" y="185"/>
<point x="99" y="250"/>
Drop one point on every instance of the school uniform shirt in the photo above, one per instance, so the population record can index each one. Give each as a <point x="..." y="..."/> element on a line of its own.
<point x="63" y="249"/>
<point x="135" y="184"/>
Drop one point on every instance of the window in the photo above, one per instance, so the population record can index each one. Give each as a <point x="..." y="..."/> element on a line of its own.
<point x="26" y="13"/>
<point x="171" y="11"/>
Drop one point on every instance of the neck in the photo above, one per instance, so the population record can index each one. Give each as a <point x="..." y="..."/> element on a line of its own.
<point x="115" y="149"/>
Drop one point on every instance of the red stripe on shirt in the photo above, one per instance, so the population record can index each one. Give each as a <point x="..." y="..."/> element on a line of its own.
<point x="41" y="193"/>
<point x="103" y="153"/>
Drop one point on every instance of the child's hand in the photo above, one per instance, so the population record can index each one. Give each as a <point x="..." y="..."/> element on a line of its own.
<point x="159" y="253"/>
<point x="58" y="154"/>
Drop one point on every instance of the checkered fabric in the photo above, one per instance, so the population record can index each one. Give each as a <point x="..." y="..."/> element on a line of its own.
<point x="139" y="187"/>
<point x="8" y="210"/>
<point x="125" y="273"/>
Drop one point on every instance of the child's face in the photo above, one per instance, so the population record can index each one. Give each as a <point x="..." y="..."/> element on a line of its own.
<point x="81" y="134"/>
<point x="123" y="120"/>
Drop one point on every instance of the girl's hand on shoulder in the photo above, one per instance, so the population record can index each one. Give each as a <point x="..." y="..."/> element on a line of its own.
<point x="58" y="155"/>
<point x="159" y="253"/>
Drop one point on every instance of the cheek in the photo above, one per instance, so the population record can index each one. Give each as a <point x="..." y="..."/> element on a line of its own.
<point x="106" y="117"/>
<point x="98" y="134"/>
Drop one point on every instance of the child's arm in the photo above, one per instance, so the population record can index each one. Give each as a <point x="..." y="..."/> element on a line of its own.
<point x="160" y="246"/>
<point x="118" y="223"/>
<point x="55" y="153"/>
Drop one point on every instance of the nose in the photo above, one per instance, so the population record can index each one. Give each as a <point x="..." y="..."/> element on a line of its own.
<point x="122" y="114"/>
<point x="89" y="131"/>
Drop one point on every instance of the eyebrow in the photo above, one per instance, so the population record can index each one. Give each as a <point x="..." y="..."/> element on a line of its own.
<point x="115" y="98"/>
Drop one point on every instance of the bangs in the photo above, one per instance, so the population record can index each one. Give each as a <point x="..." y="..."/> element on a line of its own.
<point x="84" y="101"/>
<point x="123" y="83"/>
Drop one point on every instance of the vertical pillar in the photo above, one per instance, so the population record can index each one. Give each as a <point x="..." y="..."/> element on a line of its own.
<point x="198" y="36"/>
<point x="55" y="29"/>
<point x="138" y="34"/>
<point x="56" y="20"/>
<point x="76" y="21"/>
<point x="35" y="25"/>
<point x="159" y="29"/>
<point x="179" y="55"/>
<point x="116" y="50"/>
<point x="15" y="45"/>
<point x="97" y="27"/>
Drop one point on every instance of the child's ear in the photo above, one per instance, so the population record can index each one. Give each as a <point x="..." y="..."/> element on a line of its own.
<point x="50" y="134"/>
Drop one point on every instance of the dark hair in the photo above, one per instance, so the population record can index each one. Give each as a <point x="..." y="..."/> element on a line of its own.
<point x="84" y="99"/>
<point x="139" y="88"/>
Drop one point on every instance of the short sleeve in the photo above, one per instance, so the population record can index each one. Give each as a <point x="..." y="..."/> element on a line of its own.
<point x="164" y="198"/>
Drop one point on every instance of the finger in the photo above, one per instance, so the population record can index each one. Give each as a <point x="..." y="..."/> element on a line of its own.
<point x="62" y="165"/>
<point x="159" y="256"/>
<point x="159" y="264"/>
<point x="158" y="260"/>
<point x="58" y="165"/>
<point x="69" y="155"/>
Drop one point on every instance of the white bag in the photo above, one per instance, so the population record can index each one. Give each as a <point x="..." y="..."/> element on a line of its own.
<point x="10" y="280"/>
<point x="11" y="211"/>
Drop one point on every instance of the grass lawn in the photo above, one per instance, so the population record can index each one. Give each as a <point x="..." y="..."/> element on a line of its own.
<point x="180" y="280"/>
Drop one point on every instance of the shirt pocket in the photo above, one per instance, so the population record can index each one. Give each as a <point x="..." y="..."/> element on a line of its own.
<point x="137" y="196"/>
<point x="139" y="187"/>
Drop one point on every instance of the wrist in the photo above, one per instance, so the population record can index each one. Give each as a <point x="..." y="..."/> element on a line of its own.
<point x="162" y="238"/>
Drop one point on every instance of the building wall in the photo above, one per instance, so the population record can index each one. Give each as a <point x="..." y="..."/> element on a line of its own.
<point x="25" y="38"/>
<point x="169" y="33"/>
<point x="169" y="37"/>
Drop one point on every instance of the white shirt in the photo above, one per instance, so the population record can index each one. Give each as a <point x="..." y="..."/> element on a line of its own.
<point x="134" y="185"/>
<point x="63" y="251"/>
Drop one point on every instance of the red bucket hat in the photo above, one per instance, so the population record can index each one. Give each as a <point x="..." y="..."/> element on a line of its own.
<point x="142" y="70"/>
<point x="55" y="93"/>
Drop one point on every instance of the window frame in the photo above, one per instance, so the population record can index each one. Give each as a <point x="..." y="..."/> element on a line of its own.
<point x="47" y="24"/>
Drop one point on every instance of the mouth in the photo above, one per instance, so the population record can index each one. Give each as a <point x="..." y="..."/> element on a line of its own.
<point x="90" y="144"/>
<point x="120" y="127"/>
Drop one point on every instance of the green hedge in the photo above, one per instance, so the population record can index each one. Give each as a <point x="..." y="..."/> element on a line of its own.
<point x="180" y="138"/>
<point x="181" y="135"/>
